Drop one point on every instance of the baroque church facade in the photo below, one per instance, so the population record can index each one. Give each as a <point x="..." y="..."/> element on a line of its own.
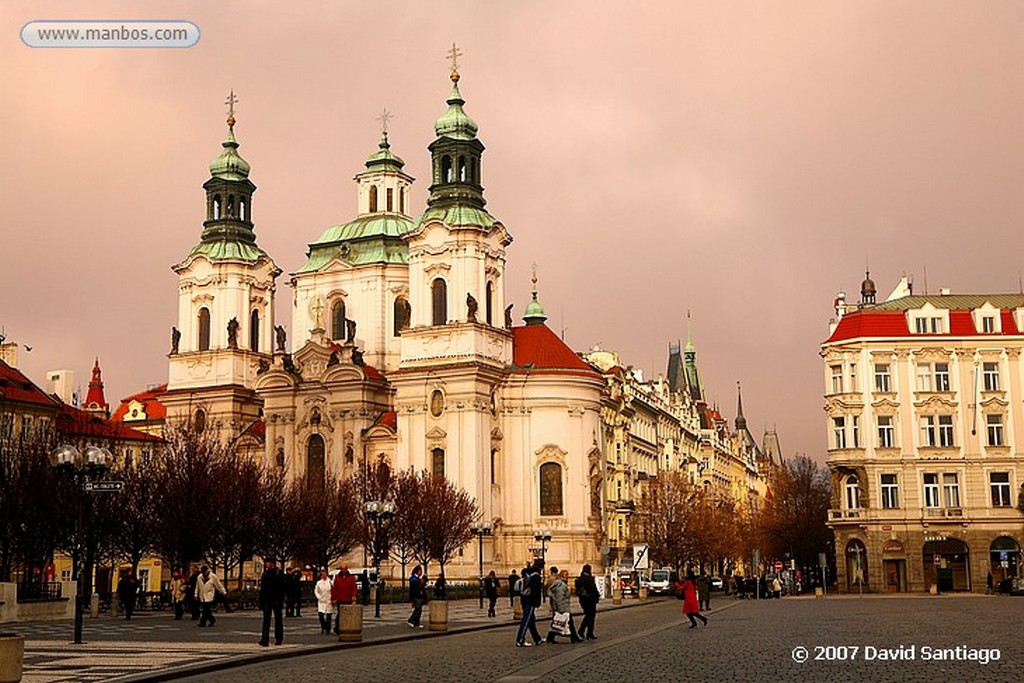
<point x="400" y="346"/>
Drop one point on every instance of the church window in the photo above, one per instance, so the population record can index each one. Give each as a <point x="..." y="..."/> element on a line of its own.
<point x="436" y="403"/>
<point x="254" y="331"/>
<point x="437" y="458"/>
<point x="391" y="199"/>
<point x="462" y="169"/>
<point x="315" y="462"/>
<point x="446" y="169"/>
<point x="199" y="422"/>
<point x="216" y="207"/>
<point x="338" y="320"/>
<point x="231" y="206"/>
<point x="494" y="466"/>
<point x="489" y="303"/>
<point x="241" y="208"/>
<point x="439" y="296"/>
<point x="401" y="200"/>
<point x="550" y="489"/>
<point x="204" y="329"/>
<point x="402" y="313"/>
<point x="472" y="172"/>
<point x="373" y="198"/>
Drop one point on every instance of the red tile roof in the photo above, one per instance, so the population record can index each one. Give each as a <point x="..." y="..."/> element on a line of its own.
<point x="14" y="386"/>
<point x="870" y="324"/>
<point x="961" y="324"/>
<point x="1009" y="324"/>
<point x="150" y="399"/>
<point x="74" y="422"/>
<point x="257" y="429"/>
<point x="389" y="419"/>
<point x="537" y="347"/>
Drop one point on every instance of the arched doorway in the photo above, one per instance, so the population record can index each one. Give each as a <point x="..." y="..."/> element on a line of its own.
<point x="856" y="565"/>
<point x="947" y="565"/>
<point x="1004" y="557"/>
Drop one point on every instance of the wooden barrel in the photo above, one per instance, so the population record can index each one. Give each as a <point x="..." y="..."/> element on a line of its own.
<point x="350" y="623"/>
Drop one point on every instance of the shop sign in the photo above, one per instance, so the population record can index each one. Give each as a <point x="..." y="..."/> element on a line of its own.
<point x="893" y="547"/>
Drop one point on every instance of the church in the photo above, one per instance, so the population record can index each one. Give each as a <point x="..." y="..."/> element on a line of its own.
<point x="401" y="345"/>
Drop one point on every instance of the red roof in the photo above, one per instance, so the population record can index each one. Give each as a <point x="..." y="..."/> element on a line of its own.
<point x="150" y="399"/>
<point x="537" y="347"/>
<point x="870" y="324"/>
<point x="258" y="430"/>
<point x="14" y="386"/>
<point x="961" y="324"/>
<point x="388" y="419"/>
<point x="74" y="422"/>
<point x="1009" y="324"/>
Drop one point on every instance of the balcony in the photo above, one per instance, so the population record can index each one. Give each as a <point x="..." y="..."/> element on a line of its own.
<point x="839" y="515"/>
<point x="944" y="512"/>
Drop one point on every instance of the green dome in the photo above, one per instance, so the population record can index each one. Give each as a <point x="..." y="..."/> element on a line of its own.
<point x="230" y="165"/>
<point x="383" y="159"/>
<point x="535" y="314"/>
<point x="455" y="123"/>
<point x="373" y="238"/>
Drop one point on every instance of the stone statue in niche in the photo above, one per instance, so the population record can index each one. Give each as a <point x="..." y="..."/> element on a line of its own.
<point x="508" y="316"/>
<point x="350" y="330"/>
<point x="281" y="336"/>
<point x="233" y="333"/>
<point x="175" y="339"/>
<point x="471" y="308"/>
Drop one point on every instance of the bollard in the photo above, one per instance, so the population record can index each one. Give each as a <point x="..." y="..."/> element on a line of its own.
<point x="12" y="655"/>
<point x="617" y="596"/>
<point x="94" y="605"/>
<point x="517" y="608"/>
<point x="641" y="594"/>
<point x="350" y="623"/>
<point x="818" y="593"/>
<point x="933" y="589"/>
<point x="115" y="606"/>
<point x="438" y="615"/>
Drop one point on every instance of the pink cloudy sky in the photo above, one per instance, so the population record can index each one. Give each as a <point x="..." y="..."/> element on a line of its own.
<point x="739" y="159"/>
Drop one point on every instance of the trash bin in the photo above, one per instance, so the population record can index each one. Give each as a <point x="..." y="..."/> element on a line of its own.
<point x="350" y="623"/>
<point x="12" y="655"/>
<point x="438" y="615"/>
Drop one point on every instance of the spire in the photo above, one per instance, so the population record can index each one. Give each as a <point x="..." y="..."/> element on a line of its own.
<point x="867" y="289"/>
<point x="229" y="165"/>
<point x="95" y="402"/>
<point x="455" y="123"/>
<point x="690" y="348"/>
<point x="534" y="311"/>
<point x="741" y="422"/>
<point x="693" y="383"/>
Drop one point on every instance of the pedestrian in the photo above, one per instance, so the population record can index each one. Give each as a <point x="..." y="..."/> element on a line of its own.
<point x="549" y="580"/>
<point x="739" y="588"/>
<point x="127" y="591"/>
<point x="559" y="594"/>
<point x="491" y="589"/>
<point x="178" y="594"/>
<point x="776" y="588"/>
<point x="344" y="591"/>
<point x="417" y="596"/>
<point x="588" y="595"/>
<point x="364" y="586"/>
<point x="322" y="591"/>
<point x="293" y="598"/>
<point x="273" y="587"/>
<point x="512" y="579"/>
<point x="207" y="588"/>
<point x="440" y="587"/>
<point x="190" y="594"/>
<point x="704" y="591"/>
<point x="532" y="593"/>
<point x="691" y="608"/>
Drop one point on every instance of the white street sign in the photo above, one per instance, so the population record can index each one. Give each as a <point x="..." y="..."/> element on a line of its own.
<point x="641" y="559"/>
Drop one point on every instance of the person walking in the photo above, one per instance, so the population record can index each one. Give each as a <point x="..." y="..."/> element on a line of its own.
<point x="273" y="587"/>
<point x="440" y="587"/>
<point x="704" y="591"/>
<point x="127" y="592"/>
<point x="322" y="591"/>
<point x="532" y="594"/>
<point x="417" y="596"/>
<point x="293" y="598"/>
<point x="178" y="594"/>
<point x="344" y="591"/>
<point x="207" y="588"/>
<point x="491" y="589"/>
<point x="512" y="579"/>
<point x="190" y="593"/>
<point x="691" y="608"/>
<point x="558" y="592"/>
<point x="589" y="596"/>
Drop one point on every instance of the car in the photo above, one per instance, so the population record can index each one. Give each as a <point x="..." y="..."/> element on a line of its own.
<point x="662" y="580"/>
<point x="1017" y="586"/>
<point x="717" y="584"/>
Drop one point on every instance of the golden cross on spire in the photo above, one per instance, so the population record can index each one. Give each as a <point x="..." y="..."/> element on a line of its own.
<point x="384" y="117"/>
<point x="230" y="101"/>
<point x="453" y="56"/>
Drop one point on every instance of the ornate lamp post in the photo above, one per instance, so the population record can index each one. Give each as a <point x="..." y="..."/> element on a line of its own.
<point x="380" y="514"/>
<point x="85" y="466"/>
<point x="542" y="535"/>
<point x="481" y="531"/>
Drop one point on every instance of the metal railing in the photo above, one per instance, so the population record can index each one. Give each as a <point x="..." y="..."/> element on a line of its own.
<point x="39" y="590"/>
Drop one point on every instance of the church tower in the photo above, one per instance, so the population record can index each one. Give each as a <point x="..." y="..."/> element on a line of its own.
<point x="226" y="287"/>
<point x="95" y="402"/>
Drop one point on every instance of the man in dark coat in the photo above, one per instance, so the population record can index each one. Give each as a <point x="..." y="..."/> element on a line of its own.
<point x="512" y="578"/>
<point x="293" y="588"/>
<point x="127" y="591"/>
<point x="273" y="587"/>
<point x="190" y="593"/>
<point x="533" y="594"/>
<point x="589" y="596"/>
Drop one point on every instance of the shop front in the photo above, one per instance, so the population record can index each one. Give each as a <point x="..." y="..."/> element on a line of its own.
<point x="894" y="566"/>
<point x="946" y="564"/>
<point x="1004" y="558"/>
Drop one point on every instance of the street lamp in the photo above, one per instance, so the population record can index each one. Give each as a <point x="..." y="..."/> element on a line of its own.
<point x="481" y="531"/>
<point x="85" y="466"/>
<point x="380" y="515"/>
<point x="542" y="535"/>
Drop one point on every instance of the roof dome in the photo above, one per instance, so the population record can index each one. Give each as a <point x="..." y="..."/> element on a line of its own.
<point x="455" y="123"/>
<point x="867" y="288"/>
<point x="383" y="158"/>
<point x="230" y="165"/>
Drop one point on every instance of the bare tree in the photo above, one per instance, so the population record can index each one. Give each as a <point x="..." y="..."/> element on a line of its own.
<point x="669" y="519"/>
<point x="326" y="520"/>
<point x="443" y="518"/>
<point x="273" y="519"/>
<point x="793" y="519"/>
<point x="132" y="515"/>
<point x="235" y="492"/>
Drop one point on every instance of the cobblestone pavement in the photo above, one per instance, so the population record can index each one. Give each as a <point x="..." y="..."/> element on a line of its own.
<point x="744" y="641"/>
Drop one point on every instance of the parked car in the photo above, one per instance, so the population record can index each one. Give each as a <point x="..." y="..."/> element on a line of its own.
<point x="1017" y="587"/>
<point x="662" y="580"/>
<point x="717" y="584"/>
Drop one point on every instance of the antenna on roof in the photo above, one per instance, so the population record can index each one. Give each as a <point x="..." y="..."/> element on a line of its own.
<point x="1020" y="284"/>
<point x="926" y="279"/>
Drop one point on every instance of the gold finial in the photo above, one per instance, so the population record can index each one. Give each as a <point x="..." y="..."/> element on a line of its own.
<point x="453" y="57"/>
<point x="384" y="117"/>
<point x="230" y="101"/>
<point x="534" y="280"/>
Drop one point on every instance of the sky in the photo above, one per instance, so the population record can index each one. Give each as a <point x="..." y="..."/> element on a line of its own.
<point x="742" y="160"/>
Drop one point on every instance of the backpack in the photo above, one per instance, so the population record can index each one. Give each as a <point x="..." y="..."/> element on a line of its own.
<point x="524" y="587"/>
<point x="517" y="589"/>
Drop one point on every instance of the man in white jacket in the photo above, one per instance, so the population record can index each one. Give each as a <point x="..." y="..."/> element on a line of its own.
<point x="322" y="591"/>
<point x="207" y="587"/>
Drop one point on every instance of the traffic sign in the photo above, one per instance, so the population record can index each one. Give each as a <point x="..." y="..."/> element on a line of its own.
<point x="937" y="558"/>
<point x="641" y="558"/>
<point x="104" y="486"/>
<point x="778" y="565"/>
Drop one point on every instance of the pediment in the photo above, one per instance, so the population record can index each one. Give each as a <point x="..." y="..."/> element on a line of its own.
<point x="437" y="433"/>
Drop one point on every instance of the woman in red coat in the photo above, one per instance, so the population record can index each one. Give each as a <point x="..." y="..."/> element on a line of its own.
<point x="691" y="606"/>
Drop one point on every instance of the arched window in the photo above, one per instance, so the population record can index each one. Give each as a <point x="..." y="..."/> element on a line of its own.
<point x="315" y="462"/>
<point x="241" y="208"/>
<point x="199" y="421"/>
<point x="437" y="462"/>
<point x="462" y="169"/>
<point x="446" y="169"/>
<point x="373" y="198"/>
<point x="439" y="301"/>
<point x="231" y="206"/>
<point x="216" y="207"/>
<point x="401" y="200"/>
<point x="472" y="172"/>
<point x="338" y="320"/>
<point x="402" y="313"/>
<point x="852" y="489"/>
<point x="204" y="329"/>
<point x="489" y="304"/>
<point x="254" y="331"/>
<point x="551" y="489"/>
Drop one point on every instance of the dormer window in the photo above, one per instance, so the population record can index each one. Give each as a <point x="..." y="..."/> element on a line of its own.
<point x="988" y="324"/>
<point x="929" y="325"/>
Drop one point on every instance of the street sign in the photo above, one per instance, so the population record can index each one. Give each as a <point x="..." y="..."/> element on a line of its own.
<point x="822" y="560"/>
<point x="641" y="559"/>
<point x="104" y="486"/>
<point x="1004" y="555"/>
<point x="778" y="565"/>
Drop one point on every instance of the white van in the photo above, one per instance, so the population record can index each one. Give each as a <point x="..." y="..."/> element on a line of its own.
<point x="662" y="580"/>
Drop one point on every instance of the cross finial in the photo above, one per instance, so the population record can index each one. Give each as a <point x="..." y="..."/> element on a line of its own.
<point x="230" y="101"/>
<point x="453" y="56"/>
<point x="384" y="117"/>
<point x="534" y="279"/>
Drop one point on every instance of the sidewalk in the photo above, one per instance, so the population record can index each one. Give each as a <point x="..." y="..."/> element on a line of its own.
<point x="155" y="647"/>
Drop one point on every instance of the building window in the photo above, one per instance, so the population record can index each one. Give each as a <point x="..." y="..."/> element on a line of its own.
<point x="204" y="329"/>
<point x="436" y="403"/>
<point x="924" y="377"/>
<point x="315" y="470"/>
<point x="853" y="378"/>
<point x="855" y="431"/>
<point x="837" y="379"/>
<point x="883" y="380"/>
<point x="890" y="492"/>
<point x="942" y="377"/>
<point x="494" y="466"/>
<point x="373" y="198"/>
<point x="988" y="324"/>
<point x="852" y="489"/>
<point x="446" y="169"/>
<point x="390" y="201"/>
<point x="995" y="429"/>
<point x="489" y="303"/>
<point x="928" y="430"/>
<point x="199" y="421"/>
<point x="338" y="320"/>
<point x="839" y="431"/>
<point x="254" y="331"/>
<point x="945" y="430"/>
<point x="439" y="301"/>
<point x="931" y="490"/>
<point x="921" y="325"/>
<point x="950" y="490"/>
<point x="402" y="314"/>
<point x="999" y="484"/>
<point x="886" y="433"/>
<point x="936" y="326"/>
<point x="550" y="489"/>
<point x="437" y="462"/>
<point x="401" y="200"/>
<point x="990" y="374"/>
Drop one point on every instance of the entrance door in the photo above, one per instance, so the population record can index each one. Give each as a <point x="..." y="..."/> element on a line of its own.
<point x="895" y="576"/>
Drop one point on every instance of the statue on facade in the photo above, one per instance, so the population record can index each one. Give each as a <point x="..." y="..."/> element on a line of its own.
<point x="175" y="339"/>
<point x="350" y="330"/>
<point x="333" y="360"/>
<point x="471" y="308"/>
<point x="233" y="333"/>
<point x="508" y="316"/>
<point x="289" y="365"/>
<point x="281" y="336"/>
<point x="264" y="366"/>
<point x="357" y="357"/>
